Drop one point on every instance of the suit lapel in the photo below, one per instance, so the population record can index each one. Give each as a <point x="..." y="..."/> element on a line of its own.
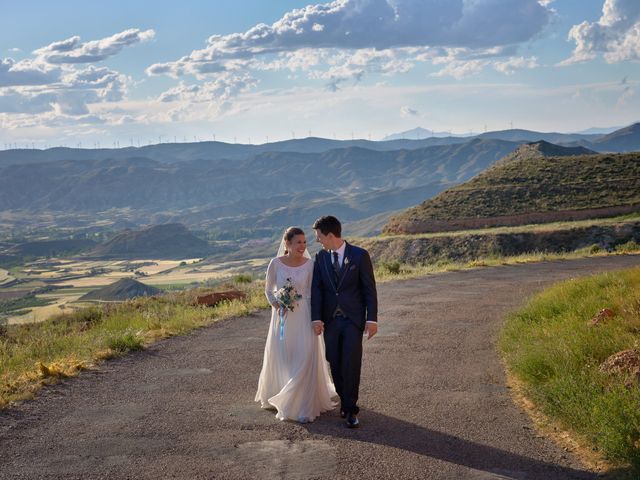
<point x="346" y="261"/>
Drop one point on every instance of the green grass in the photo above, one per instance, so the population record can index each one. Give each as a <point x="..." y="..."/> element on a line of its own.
<point x="243" y="278"/>
<point x="551" y="348"/>
<point x="39" y="353"/>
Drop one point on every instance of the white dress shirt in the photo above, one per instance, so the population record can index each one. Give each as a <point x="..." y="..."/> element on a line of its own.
<point x="340" y="253"/>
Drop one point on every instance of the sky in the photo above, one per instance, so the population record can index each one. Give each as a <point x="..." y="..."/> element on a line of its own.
<point x="122" y="73"/>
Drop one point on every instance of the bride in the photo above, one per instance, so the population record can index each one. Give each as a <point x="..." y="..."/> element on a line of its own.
<point x="295" y="377"/>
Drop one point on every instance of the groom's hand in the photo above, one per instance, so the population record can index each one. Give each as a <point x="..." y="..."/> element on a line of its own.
<point x="371" y="328"/>
<point x="318" y="327"/>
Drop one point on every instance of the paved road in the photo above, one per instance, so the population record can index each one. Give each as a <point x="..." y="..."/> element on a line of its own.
<point x="433" y="397"/>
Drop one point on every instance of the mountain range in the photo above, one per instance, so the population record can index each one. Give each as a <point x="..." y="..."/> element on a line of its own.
<point x="270" y="189"/>
<point x="229" y="188"/>
<point x="624" y="139"/>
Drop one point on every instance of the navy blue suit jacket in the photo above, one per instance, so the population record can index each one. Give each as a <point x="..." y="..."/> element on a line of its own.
<point x="354" y="291"/>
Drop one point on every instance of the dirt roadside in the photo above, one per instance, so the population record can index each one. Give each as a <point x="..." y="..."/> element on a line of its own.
<point x="433" y="397"/>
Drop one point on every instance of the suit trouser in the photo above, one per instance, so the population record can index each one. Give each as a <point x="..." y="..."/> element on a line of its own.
<point x="343" y="343"/>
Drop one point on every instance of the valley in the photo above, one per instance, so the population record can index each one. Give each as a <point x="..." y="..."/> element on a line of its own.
<point x="175" y="216"/>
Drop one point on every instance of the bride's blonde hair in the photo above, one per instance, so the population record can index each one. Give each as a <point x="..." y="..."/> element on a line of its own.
<point x="289" y="233"/>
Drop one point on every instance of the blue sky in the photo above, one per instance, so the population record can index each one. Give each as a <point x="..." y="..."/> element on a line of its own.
<point x="89" y="73"/>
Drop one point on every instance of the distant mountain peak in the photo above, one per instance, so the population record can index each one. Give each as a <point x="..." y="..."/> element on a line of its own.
<point x="419" y="133"/>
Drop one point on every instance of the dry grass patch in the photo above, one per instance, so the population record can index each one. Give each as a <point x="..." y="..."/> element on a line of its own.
<point x="37" y="354"/>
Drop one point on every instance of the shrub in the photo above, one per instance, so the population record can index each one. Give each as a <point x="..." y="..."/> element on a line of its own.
<point x="390" y="267"/>
<point x="125" y="342"/>
<point x="243" y="278"/>
<point x="630" y="246"/>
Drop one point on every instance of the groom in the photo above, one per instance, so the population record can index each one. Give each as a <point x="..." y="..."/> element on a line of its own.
<point x="344" y="305"/>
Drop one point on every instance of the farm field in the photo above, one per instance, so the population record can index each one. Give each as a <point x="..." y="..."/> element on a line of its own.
<point x="61" y="282"/>
<point x="5" y="277"/>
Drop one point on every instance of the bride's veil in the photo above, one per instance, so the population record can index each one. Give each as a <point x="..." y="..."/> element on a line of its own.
<point x="283" y="247"/>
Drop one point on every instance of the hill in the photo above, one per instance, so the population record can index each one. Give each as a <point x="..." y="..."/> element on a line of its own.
<point x="530" y="187"/>
<point x="160" y="241"/>
<point x="622" y="140"/>
<point x="272" y="189"/>
<point x="50" y="248"/>
<point x="541" y="149"/>
<point x="123" y="289"/>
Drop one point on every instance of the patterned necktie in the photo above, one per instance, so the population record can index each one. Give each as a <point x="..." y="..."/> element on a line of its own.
<point x="336" y="264"/>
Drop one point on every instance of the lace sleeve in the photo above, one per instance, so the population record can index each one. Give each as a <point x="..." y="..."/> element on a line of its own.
<point x="271" y="284"/>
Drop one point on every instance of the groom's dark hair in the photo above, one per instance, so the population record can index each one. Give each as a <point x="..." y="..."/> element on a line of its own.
<point x="328" y="224"/>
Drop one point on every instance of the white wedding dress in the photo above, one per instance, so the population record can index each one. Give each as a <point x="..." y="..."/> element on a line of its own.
<point x="295" y="375"/>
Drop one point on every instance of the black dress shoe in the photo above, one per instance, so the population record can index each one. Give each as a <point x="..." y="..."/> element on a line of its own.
<point x="352" y="420"/>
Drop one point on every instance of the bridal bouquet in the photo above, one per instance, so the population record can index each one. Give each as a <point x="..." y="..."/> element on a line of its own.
<point x="287" y="296"/>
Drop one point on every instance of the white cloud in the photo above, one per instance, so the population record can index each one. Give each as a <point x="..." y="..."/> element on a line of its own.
<point x="616" y="35"/>
<point x="406" y="111"/>
<point x="26" y="72"/>
<point x="71" y="50"/>
<point x="510" y="66"/>
<point x="14" y="101"/>
<point x="221" y="90"/>
<point x="69" y="93"/>
<point x="343" y="66"/>
<point x="206" y="100"/>
<point x="371" y="24"/>
<point x="48" y="86"/>
<point x="460" y="69"/>
<point x="460" y="64"/>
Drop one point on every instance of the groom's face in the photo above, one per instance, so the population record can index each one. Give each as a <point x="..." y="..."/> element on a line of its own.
<point x="325" y="240"/>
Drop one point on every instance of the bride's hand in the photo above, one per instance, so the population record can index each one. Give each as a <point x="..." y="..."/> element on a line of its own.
<point x="318" y="327"/>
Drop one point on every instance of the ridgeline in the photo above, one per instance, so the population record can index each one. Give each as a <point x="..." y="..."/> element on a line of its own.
<point x="538" y="183"/>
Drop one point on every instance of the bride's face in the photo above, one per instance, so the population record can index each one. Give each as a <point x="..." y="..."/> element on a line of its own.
<point x="297" y="245"/>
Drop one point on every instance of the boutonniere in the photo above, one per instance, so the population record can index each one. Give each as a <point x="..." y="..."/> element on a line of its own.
<point x="346" y="260"/>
